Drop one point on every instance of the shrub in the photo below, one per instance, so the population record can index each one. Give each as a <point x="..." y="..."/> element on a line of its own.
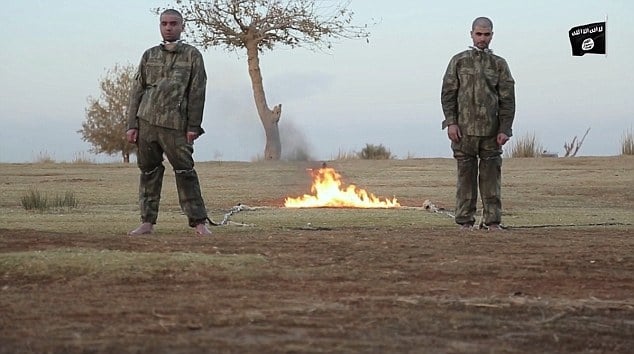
<point x="375" y="152"/>
<point x="526" y="146"/>
<point x="627" y="144"/>
<point x="34" y="200"/>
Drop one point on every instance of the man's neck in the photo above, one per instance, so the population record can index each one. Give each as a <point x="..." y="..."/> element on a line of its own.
<point x="170" y="45"/>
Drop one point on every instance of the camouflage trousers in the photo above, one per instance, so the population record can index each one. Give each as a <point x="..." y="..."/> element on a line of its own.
<point x="479" y="162"/>
<point x="153" y="142"/>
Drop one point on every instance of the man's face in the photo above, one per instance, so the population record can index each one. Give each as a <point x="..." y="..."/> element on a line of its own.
<point x="481" y="37"/>
<point x="171" y="27"/>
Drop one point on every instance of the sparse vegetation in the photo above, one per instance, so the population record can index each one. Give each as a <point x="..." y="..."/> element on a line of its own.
<point x="345" y="155"/>
<point x="526" y="146"/>
<point x="375" y="152"/>
<point x="627" y="144"/>
<point x="33" y="199"/>
<point x="397" y="280"/>
<point x="44" y="157"/>
<point x="410" y="155"/>
<point x="82" y="158"/>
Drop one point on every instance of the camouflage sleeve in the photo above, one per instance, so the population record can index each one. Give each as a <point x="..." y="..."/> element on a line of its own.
<point x="506" y="90"/>
<point x="449" y="94"/>
<point x="136" y="93"/>
<point x="196" y="94"/>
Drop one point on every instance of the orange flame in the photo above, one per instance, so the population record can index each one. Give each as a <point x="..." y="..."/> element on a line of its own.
<point x="327" y="192"/>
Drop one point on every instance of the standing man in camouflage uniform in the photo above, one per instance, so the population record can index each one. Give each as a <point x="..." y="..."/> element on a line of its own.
<point x="164" y="117"/>
<point x="478" y="101"/>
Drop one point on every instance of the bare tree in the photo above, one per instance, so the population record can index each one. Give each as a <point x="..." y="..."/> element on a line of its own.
<point x="573" y="147"/>
<point x="259" y="25"/>
<point x="106" y="122"/>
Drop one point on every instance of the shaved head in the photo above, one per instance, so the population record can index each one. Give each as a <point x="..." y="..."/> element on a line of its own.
<point x="483" y="22"/>
<point x="172" y="12"/>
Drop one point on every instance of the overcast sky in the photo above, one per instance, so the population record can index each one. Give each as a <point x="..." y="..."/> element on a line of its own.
<point x="385" y="92"/>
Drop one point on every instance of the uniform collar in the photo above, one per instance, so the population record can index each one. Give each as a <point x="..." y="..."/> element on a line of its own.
<point x="487" y="50"/>
<point x="175" y="44"/>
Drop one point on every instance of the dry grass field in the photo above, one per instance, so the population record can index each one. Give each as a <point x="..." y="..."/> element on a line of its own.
<point x="560" y="279"/>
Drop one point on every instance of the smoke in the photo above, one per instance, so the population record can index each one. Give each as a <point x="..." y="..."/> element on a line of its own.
<point x="295" y="145"/>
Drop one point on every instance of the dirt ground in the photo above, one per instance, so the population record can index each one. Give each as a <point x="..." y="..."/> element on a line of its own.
<point x="386" y="289"/>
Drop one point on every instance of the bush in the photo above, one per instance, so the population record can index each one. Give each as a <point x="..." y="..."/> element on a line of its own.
<point x="374" y="152"/>
<point x="526" y="146"/>
<point x="627" y="144"/>
<point x="34" y="200"/>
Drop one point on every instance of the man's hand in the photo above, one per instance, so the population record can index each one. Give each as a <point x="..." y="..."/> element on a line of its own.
<point x="132" y="135"/>
<point x="454" y="133"/>
<point x="191" y="136"/>
<point x="502" y="139"/>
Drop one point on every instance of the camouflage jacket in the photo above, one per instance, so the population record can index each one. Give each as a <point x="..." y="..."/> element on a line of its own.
<point x="169" y="89"/>
<point x="478" y="94"/>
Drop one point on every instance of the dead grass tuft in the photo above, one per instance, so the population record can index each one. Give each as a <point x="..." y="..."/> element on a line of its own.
<point x="627" y="144"/>
<point x="526" y="146"/>
<point x="44" y="157"/>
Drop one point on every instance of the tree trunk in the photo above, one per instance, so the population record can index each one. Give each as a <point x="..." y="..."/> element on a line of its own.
<point x="269" y="117"/>
<point x="126" y="157"/>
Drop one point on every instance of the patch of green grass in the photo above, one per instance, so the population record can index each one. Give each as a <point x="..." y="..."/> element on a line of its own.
<point x="34" y="200"/>
<point x="115" y="265"/>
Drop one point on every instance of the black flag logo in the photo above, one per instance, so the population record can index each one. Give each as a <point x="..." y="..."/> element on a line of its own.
<point x="588" y="38"/>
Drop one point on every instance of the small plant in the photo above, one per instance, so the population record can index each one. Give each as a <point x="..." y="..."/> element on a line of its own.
<point x="526" y="146"/>
<point x="34" y="200"/>
<point x="68" y="200"/>
<point x="627" y="144"/>
<point x="375" y="152"/>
